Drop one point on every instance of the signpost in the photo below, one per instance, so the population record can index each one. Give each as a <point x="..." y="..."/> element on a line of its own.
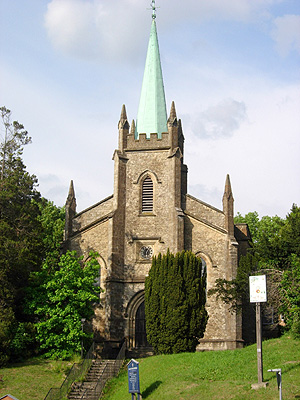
<point x="258" y="294"/>
<point x="134" y="379"/>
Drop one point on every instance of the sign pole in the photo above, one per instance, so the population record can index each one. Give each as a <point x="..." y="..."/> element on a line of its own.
<point x="259" y="343"/>
<point x="258" y="294"/>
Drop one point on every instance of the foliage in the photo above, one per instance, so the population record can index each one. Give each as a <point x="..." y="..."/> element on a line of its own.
<point x="52" y="220"/>
<point x="175" y="302"/>
<point x="290" y="289"/>
<point x="266" y="236"/>
<point x="23" y="342"/>
<point x="290" y="232"/>
<point x="60" y="299"/>
<point x="252" y="220"/>
<point x="20" y="230"/>
<point x="7" y="322"/>
<point x="276" y="253"/>
<point x="290" y="285"/>
<point x="11" y="146"/>
<point x="236" y="291"/>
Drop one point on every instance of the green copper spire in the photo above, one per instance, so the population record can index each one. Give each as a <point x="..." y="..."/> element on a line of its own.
<point x="152" y="113"/>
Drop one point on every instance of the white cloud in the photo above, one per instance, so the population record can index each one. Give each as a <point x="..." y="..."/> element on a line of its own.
<point x="71" y="26"/>
<point x="112" y="30"/>
<point x="218" y="10"/>
<point x="93" y="28"/>
<point x="286" y="34"/>
<point x="221" y="120"/>
<point x="262" y="158"/>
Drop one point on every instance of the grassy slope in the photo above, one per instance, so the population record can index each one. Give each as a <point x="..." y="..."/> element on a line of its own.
<point x="216" y="375"/>
<point x="33" y="379"/>
<point x="186" y="376"/>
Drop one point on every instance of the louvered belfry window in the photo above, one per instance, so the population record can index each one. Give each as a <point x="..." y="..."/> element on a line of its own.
<point x="147" y="195"/>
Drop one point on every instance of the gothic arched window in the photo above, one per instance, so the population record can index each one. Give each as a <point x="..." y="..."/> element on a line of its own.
<point x="203" y="272"/>
<point x="147" y="195"/>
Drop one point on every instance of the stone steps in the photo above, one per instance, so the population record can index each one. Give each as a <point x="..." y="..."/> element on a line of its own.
<point x="87" y="387"/>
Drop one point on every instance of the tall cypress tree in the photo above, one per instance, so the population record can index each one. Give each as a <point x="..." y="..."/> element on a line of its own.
<point x="175" y="302"/>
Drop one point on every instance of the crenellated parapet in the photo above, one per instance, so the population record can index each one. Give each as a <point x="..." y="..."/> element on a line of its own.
<point x="130" y="141"/>
<point x="143" y="143"/>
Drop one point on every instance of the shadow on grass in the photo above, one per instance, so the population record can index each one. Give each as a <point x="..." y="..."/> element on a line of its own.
<point x="39" y="361"/>
<point x="26" y="363"/>
<point x="150" y="389"/>
<point x="292" y="365"/>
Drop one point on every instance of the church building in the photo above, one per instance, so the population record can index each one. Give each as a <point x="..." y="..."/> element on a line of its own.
<point x="150" y="212"/>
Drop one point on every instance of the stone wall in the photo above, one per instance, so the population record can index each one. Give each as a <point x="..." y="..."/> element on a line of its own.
<point x="92" y="215"/>
<point x="118" y="228"/>
<point x="205" y="212"/>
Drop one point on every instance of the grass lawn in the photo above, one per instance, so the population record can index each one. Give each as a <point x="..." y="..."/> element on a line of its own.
<point x="33" y="379"/>
<point x="216" y="375"/>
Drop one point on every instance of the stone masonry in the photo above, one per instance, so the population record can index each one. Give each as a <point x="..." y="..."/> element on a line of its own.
<point x="119" y="230"/>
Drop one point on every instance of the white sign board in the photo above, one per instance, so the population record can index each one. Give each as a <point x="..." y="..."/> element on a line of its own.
<point x="258" y="289"/>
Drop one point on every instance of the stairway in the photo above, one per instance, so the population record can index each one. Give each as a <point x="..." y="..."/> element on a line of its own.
<point x="86" y="389"/>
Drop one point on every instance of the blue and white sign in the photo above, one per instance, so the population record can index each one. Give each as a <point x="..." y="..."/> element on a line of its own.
<point x="133" y="376"/>
<point x="258" y="289"/>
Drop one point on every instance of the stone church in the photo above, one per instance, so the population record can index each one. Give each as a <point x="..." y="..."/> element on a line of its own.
<point x="149" y="212"/>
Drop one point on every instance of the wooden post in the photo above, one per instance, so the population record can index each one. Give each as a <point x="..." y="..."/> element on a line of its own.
<point x="259" y="343"/>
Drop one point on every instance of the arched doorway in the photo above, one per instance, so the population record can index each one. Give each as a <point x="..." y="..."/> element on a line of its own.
<point x="140" y="327"/>
<point x="136" y="326"/>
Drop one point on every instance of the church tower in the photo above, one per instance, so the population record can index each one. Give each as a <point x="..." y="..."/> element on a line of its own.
<point x="149" y="213"/>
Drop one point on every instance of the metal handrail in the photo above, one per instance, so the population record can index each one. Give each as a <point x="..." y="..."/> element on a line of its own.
<point x="79" y="370"/>
<point x="76" y="372"/>
<point x="120" y="358"/>
<point x="108" y="372"/>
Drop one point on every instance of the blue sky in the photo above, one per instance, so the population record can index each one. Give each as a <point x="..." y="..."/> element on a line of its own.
<point x="231" y="66"/>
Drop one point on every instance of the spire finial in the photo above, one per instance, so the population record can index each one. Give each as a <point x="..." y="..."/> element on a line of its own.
<point x="153" y="9"/>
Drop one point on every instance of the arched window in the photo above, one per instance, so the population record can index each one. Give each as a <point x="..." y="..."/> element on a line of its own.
<point x="203" y="272"/>
<point x="147" y="195"/>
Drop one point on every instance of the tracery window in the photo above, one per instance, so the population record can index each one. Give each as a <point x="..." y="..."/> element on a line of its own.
<point x="147" y="195"/>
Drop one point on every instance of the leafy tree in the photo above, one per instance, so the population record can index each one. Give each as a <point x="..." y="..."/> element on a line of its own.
<point x="276" y="253"/>
<point x="60" y="298"/>
<point x="290" y="289"/>
<point x="266" y="238"/>
<point x="20" y="231"/>
<point x="252" y="220"/>
<point x="236" y="291"/>
<point x="290" y="284"/>
<point x="269" y="242"/>
<point x="290" y="232"/>
<point x="52" y="220"/>
<point x="14" y="139"/>
<point x="175" y="302"/>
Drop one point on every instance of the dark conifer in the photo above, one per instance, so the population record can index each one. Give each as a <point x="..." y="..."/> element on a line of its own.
<point x="175" y="302"/>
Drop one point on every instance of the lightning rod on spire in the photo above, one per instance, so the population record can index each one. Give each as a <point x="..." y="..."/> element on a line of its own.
<point x="153" y="9"/>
